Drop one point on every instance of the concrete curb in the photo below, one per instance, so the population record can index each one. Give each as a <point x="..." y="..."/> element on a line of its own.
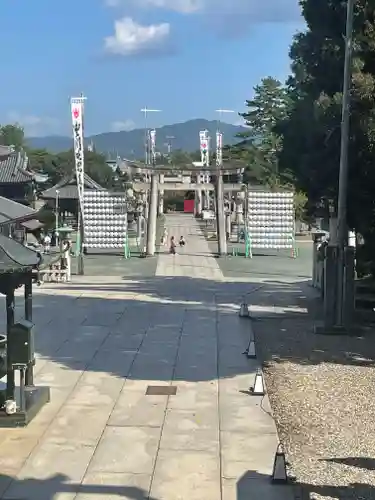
<point x="267" y="408"/>
<point x="266" y="405"/>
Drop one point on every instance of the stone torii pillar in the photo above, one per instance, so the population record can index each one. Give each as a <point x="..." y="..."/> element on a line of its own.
<point x="240" y="202"/>
<point x="161" y="194"/>
<point x="220" y="216"/>
<point x="152" y="216"/>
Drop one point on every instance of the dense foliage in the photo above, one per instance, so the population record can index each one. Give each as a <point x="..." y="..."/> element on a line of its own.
<point x="311" y="131"/>
<point x="294" y="129"/>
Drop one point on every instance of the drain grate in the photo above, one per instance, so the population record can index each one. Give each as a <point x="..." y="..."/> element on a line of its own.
<point x="161" y="390"/>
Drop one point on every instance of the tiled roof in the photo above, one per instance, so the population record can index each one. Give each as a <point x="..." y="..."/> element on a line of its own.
<point x="15" y="256"/>
<point x="10" y="210"/>
<point x="5" y="151"/>
<point x="67" y="188"/>
<point x="13" y="169"/>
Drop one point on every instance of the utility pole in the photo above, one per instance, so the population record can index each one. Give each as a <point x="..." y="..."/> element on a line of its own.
<point x="342" y="227"/>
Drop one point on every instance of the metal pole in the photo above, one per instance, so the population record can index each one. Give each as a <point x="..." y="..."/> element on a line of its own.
<point x="342" y="229"/>
<point x="57" y="217"/>
<point x="80" y="259"/>
<point x="145" y="110"/>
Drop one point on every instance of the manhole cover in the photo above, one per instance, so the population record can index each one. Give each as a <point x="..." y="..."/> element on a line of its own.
<point x="161" y="390"/>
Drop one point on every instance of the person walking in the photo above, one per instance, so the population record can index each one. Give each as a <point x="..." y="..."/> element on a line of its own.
<point x="182" y="242"/>
<point x="47" y="243"/>
<point x="172" y="246"/>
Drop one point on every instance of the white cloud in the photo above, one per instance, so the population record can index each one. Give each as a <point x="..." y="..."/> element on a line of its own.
<point x="131" y="38"/>
<point x="34" y="125"/>
<point x="119" y="126"/>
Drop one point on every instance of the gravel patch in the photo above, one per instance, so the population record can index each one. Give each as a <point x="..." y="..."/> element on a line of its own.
<point x="322" y="392"/>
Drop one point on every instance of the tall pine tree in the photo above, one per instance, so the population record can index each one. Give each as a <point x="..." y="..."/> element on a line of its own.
<point x="260" y="143"/>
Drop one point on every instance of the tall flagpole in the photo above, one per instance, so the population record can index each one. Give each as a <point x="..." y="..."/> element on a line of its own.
<point x="77" y="112"/>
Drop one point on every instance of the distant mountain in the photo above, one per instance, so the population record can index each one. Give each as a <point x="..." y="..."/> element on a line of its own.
<point x="131" y="144"/>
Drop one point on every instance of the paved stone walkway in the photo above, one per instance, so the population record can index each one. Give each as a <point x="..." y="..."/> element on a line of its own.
<point x="101" y="342"/>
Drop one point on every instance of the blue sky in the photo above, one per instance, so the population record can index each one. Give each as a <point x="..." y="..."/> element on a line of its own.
<point x="185" y="57"/>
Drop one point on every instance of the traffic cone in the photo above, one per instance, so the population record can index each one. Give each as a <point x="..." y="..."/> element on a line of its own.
<point x="244" y="310"/>
<point x="258" y="387"/>
<point x="279" y="473"/>
<point x="250" y="351"/>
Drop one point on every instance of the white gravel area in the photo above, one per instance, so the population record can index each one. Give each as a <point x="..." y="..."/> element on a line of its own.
<point x="322" y="392"/>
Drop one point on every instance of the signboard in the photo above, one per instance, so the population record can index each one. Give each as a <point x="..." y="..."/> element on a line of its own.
<point x="78" y="146"/>
<point x="219" y="148"/>
<point x="204" y="147"/>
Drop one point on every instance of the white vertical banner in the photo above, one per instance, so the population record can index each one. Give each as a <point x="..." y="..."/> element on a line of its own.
<point x="78" y="146"/>
<point x="204" y="147"/>
<point x="153" y="145"/>
<point x="219" y="148"/>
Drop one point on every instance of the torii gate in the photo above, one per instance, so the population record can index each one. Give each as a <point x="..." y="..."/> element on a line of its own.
<point x="156" y="172"/>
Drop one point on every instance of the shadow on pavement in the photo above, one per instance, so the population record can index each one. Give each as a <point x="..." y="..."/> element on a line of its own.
<point x="287" y="310"/>
<point x="109" y="327"/>
<point x="253" y="486"/>
<point x="59" y="484"/>
<point x="360" y="462"/>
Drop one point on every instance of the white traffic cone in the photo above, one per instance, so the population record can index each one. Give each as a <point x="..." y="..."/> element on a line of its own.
<point x="244" y="310"/>
<point x="258" y="387"/>
<point x="250" y="351"/>
<point x="279" y="473"/>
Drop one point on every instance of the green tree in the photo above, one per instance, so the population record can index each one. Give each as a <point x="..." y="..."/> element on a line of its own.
<point x="178" y="157"/>
<point x="260" y="144"/>
<point x="95" y="166"/>
<point x="311" y="131"/>
<point x="41" y="161"/>
<point x="12" y="135"/>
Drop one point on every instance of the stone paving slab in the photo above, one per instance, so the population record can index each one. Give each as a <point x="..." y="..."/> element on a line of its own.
<point x="101" y="342"/>
<point x="267" y="264"/>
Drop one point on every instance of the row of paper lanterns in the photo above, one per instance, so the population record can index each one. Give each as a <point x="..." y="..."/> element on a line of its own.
<point x="268" y="195"/>
<point x="104" y="245"/>
<point x="272" y="246"/>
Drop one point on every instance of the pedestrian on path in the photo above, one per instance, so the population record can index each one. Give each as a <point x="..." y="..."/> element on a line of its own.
<point x="47" y="243"/>
<point x="182" y="241"/>
<point x="164" y="238"/>
<point x="172" y="247"/>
